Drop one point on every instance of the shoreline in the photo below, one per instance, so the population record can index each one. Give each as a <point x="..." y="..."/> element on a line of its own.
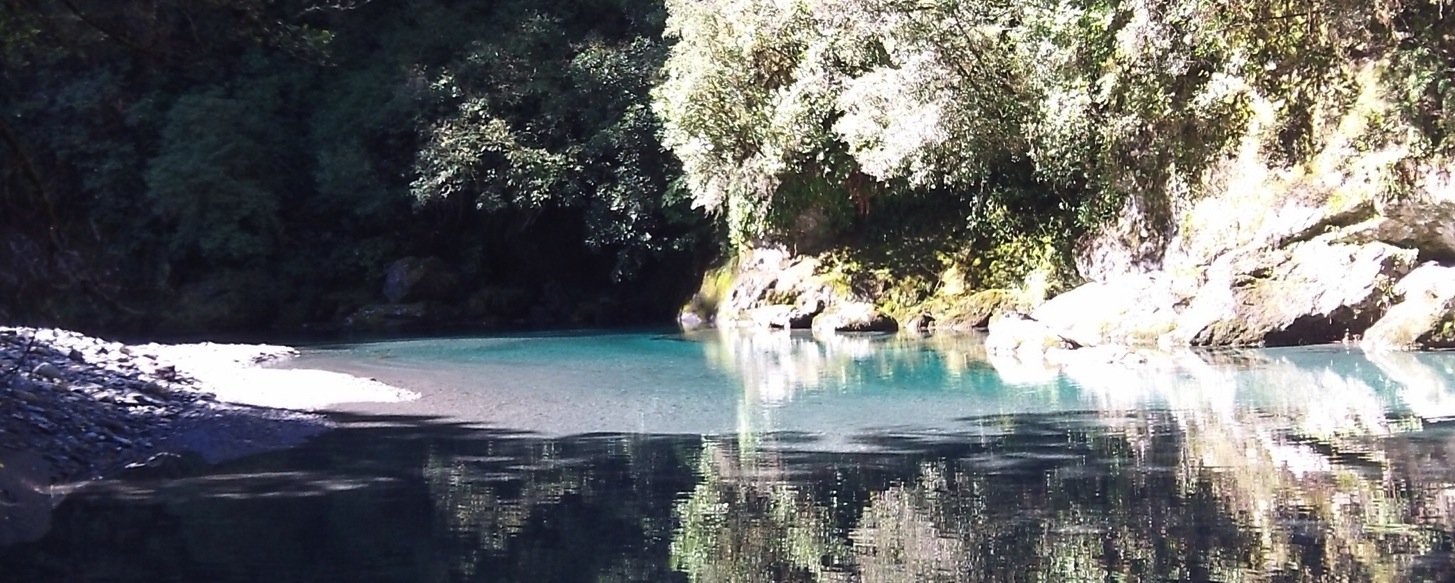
<point x="75" y="408"/>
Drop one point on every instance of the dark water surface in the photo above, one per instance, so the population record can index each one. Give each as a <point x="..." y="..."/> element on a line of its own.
<point x="777" y="457"/>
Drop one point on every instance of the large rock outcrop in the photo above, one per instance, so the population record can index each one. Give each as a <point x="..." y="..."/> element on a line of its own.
<point x="1309" y="293"/>
<point x="1249" y="251"/>
<point x="773" y="288"/>
<point x="1424" y="219"/>
<point x="851" y="316"/>
<point x="1313" y="292"/>
<point x="1425" y="316"/>
<point x="1014" y="335"/>
<point x="1267" y="253"/>
<point x="1131" y="309"/>
<point x="961" y="310"/>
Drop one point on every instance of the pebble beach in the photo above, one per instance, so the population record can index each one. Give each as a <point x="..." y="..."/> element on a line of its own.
<point x="75" y="407"/>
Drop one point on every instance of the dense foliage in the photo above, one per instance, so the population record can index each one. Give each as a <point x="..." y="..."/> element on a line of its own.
<point x="262" y="161"/>
<point x="257" y="162"/>
<point x="1033" y="121"/>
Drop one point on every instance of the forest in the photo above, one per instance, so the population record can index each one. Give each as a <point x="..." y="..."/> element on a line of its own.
<point x="175" y="166"/>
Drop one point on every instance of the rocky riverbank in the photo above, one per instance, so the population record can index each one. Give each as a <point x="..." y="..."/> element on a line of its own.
<point x="1264" y="255"/>
<point x="73" y="407"/>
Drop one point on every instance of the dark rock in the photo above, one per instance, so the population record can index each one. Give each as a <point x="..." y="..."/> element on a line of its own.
<point x="415" y="279"/>
<point x="1421" y="222"/>
<point x="85" y="387"/>
<point x="41" y="424"/>
<point x="493" y="301"/>
<point x="156" y="389"/>
<point x="111" y="410"/>
<point x="140" y="399"/>
<point x="47" y="370"/>
<point x="389" y="316"/>
<point x="112" y="424"/>
<point x="164" y="466"/>
<point x="22" y="383"/>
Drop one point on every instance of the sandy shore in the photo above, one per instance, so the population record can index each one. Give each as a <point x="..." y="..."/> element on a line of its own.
<point x="246" y="374"/>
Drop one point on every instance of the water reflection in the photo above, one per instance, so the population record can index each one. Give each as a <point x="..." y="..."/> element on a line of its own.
<point x="1280" y="465"/>
<point x="779" y="366"/>
<point x="1111" y="506"/>
<point x="1283" y="465"/>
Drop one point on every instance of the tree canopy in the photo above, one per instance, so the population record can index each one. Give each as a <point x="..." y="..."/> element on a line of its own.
<point x="1087" y="102"/>
<point x="160" y="151"/>
<point x="153" y="151"/>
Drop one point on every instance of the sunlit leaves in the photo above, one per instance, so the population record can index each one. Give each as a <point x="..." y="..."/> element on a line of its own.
<point x="761" y="96"/>
<point x="732" y="111"/>
<point x="539" y="116"/>
<point x="1106" y="98"/>
<point x="475" y="154"/>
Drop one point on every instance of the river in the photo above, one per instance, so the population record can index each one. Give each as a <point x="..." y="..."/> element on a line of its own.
<point x="727" y="456"/>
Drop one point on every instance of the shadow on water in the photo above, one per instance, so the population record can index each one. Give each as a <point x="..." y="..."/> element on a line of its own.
<point x="1325" y="467"/>
<point x="1063" y="496"/>
<point x="381" y="498"/>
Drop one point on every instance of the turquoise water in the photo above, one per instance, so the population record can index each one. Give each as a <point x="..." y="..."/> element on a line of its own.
<point x="781" y="457"/>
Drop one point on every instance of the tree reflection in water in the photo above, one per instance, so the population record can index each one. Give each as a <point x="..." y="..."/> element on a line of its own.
<point x="1272" y="465"/>
<point x="1297" y="465"/>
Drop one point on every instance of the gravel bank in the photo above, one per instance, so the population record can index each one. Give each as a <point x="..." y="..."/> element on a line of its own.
<point x="73" y="407"/>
